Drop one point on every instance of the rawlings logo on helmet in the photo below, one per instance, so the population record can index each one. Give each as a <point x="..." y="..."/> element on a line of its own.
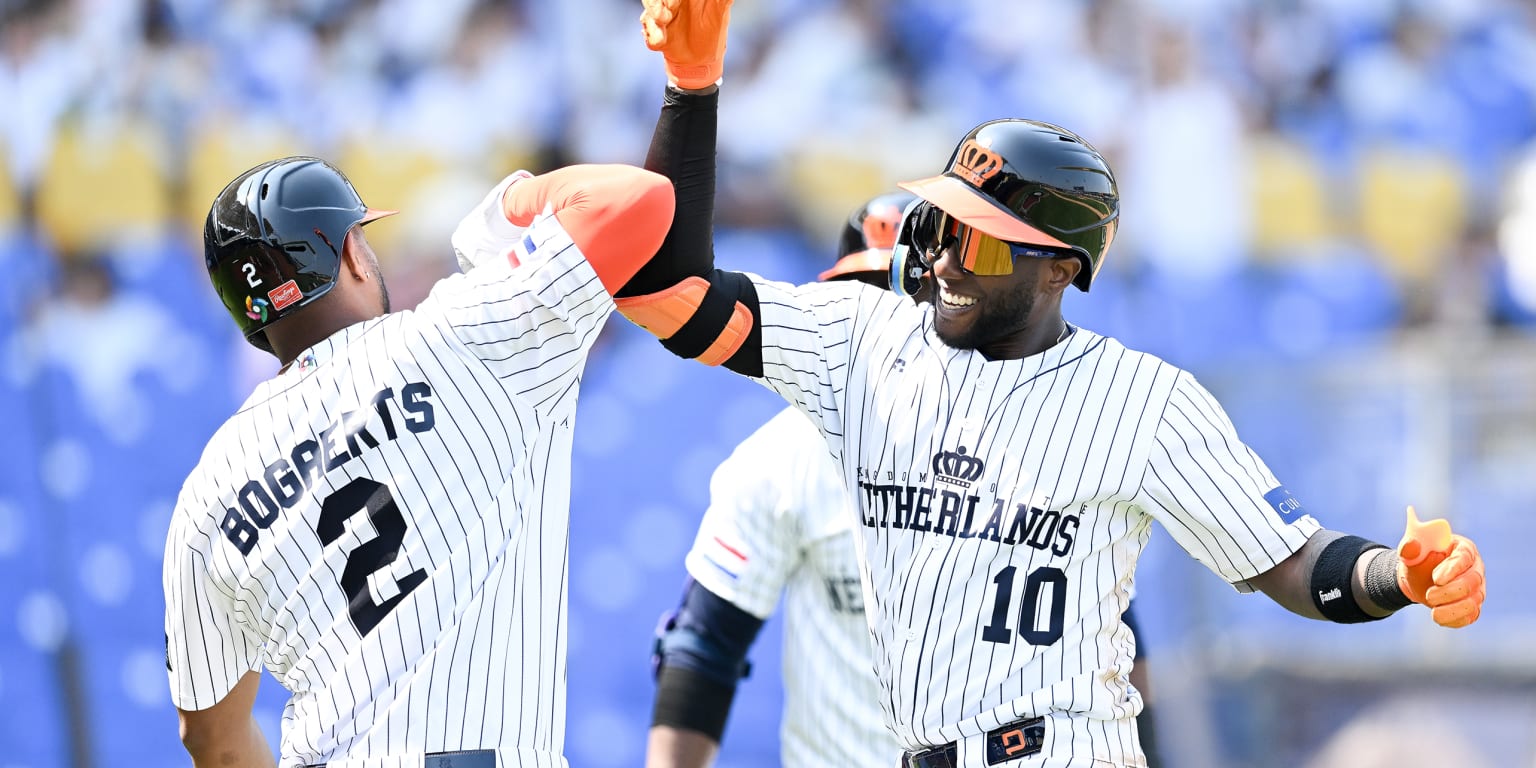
<point x="976" y="163"/>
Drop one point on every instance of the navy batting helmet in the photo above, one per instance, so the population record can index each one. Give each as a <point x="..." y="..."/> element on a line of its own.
<point x="1034" y="184"/>
<point x="867" y="238"/>
<point x="274" y="236"/>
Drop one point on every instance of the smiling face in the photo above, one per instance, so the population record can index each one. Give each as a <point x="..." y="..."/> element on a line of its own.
<point x="1002" y="316"/>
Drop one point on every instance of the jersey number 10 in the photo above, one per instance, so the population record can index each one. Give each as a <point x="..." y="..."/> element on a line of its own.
<point x="372" y="555"/>
<point x="998" y="632"/>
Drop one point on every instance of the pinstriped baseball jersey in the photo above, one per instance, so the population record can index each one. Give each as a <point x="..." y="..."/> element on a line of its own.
<point x="384" y="525"/>
<point x="1003" y="504"/>
<point x="780" y="521"/>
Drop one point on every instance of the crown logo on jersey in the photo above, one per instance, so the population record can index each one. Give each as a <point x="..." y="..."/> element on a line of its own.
<point x="976" y="163"/>
<point x="957" y="469"/>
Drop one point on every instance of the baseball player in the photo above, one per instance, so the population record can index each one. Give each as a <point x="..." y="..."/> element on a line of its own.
<point x="383" y="525"/>
<point x="779" y="521"/>
<point x="1005" y="465"/>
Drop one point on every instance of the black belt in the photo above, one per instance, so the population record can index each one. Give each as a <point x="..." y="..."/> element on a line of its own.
<point x="1020" y="738"/>
<point x="473" y="758"/>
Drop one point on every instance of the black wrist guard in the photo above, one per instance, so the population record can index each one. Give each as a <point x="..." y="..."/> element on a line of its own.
<point x="1333" y="579"/>
<point x="1381" y="586"/>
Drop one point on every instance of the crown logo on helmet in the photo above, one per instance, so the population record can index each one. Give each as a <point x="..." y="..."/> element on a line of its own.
<point x="956" y="468"/>
<point x="976" y="163"/>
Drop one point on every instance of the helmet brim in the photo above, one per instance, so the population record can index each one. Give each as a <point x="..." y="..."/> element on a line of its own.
<point x="975" y="209"/>
<point x="374" y="214"/>
<point x="869" y="260"/>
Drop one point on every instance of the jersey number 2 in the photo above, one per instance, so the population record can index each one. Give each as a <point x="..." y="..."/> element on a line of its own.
<point x="998" y="632"/>
<point x="372" y="555"/>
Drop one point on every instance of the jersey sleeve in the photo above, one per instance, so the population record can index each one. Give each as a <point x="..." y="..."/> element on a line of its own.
<point x="530" y="306"/>
<point x="485" y="236"/>
<point x="207" y="650"/>
<point x="1215" y="495"/>
<point x="750" y="540"/>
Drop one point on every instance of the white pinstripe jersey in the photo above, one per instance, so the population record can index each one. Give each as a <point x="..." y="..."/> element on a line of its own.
<point x="384" y="526"/>
<point x="1003" y="505"/>
<point x="780" y="521"/>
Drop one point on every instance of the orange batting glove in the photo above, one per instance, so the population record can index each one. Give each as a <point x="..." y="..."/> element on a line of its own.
<point x="691" y="35"/>
<point x="1441" y="570"/>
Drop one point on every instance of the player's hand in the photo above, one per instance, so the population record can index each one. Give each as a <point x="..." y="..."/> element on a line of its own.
<point x="691" y="35"/>
<point x="1443" y="571"/>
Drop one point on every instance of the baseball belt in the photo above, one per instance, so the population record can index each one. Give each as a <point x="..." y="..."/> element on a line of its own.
<point x="474" y="758"/>
<point x="1020" y="738"/>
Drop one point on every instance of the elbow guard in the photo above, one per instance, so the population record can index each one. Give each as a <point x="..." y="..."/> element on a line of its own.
<point x="708" y="635"/>
<point x="713" y="319"/>
<point x="700" y="654"/>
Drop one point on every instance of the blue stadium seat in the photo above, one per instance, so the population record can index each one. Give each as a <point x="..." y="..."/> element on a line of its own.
<point x="32" y="615"/>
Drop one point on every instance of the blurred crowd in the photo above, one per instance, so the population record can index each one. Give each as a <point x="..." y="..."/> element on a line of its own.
<point x="1324" y="131"/>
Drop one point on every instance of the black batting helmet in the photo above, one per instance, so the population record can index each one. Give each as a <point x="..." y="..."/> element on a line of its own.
<point x="274" y="236"/>
<point x="867" y="238"/>
<point x="1032" y="183"/>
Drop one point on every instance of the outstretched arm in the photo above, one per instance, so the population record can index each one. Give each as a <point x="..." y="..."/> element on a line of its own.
<point x="1221" y="503"/>
<point x="1348" y="579"/>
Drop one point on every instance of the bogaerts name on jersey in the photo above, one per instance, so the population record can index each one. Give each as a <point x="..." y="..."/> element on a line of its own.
<point x="287" y="481"/>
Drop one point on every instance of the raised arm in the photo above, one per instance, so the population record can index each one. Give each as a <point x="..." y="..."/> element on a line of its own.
<point x="616" y="214"/>
<point x="698" y="312"/>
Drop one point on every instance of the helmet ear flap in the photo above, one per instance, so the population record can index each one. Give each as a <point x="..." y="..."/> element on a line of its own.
<point x="908" y="260"/>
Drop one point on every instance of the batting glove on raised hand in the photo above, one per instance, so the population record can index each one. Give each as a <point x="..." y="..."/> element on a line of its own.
<point x="1441" y="570"/>
<point x="691" y="36"/>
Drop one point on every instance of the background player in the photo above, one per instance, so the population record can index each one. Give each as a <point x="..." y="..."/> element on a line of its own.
<point x="383" y="525"/>
<point x="1007" y="465"/>
<point x="780" y="520"/>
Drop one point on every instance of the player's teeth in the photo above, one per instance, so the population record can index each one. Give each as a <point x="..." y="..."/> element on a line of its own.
<point x="956" y="300"/>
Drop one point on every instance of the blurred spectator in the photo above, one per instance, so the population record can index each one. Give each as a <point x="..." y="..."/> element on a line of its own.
<point x="103" y="339"/>
<point x="1183" y="166"/>
<point x="42" y="72"/>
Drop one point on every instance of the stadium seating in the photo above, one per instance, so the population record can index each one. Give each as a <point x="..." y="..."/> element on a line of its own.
<point x="1291" y="208"/>
<point x="10" y="197"/>
<point x="102" y="185"/>
<point x="1412" y="209"/>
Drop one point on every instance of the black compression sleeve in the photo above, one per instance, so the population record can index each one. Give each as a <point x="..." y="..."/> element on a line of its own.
<point x="692" y="701"/>
<point x="683" y="150"/>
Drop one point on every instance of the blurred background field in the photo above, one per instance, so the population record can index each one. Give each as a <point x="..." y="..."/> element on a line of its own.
<point x="1329" y="215"/>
